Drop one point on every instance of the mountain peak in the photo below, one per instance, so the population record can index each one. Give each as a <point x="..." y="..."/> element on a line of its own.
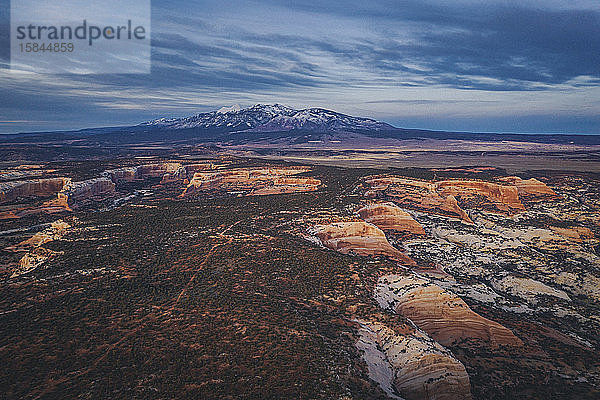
<point x="233" y="108"/>
<point x="272" y="118"/>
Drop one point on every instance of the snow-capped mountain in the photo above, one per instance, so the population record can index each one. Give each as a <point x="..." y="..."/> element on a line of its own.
<point x="272" y="118"/>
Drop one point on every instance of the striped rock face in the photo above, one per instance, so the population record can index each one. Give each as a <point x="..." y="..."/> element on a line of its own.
<point x="413" y="365"/>
<point x="441" y="314"/>
<point x="252" y="181"/>
<point x="360" y="238"/>
<point x="388" y="216"/>
<point x="452" y="197"/>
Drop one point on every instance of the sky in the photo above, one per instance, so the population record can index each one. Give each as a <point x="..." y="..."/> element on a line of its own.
<point x="526" y="66"/>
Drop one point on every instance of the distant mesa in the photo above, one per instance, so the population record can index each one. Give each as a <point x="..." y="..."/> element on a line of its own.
<point x="186" y="172"/>
<point x="198" y="177"/>
<point x="141" y="172"/>
<point x="443" y="315"/>
<point x="360" y="238"/>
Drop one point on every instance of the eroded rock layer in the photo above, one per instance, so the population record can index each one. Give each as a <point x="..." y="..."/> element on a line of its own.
<point x="140" y="172"/>
<point x="418" y="367"/>
<point x="529" y="188"/>
<point x="388" y="216"/>
<point x="416" y="195"/>
<point x="36" y="254"/>
<point x="186" y="172"/>
<point x="78" y="192"/>
<point x="448" y="197"/>
<point x="440" y="313"/>
<point x="56" y="230"/>
<point x="11" y="191"/>
<point x="358" y="237"/>
<point x="253" y="181"/>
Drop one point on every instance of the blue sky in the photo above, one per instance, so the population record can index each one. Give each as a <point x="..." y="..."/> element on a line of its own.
<point x="492" y="66"/>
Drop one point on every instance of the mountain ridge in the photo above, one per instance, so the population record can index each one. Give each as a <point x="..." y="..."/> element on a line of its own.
<point x="271" y="122"/>
<point x="272" y="118"/>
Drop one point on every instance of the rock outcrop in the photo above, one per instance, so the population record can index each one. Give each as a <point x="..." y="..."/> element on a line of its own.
<point x="446" y="197"/>
<point x="416" y="366"/>
<point x="186" y="172"/>
<point x="32" y="260"/>
<point x="388" y="216"/>
<point x="156" y="170"/>
<point x="141" y="172"/>
<point x="528" y="289"/>
<point x="358" y="237"/>
<point x="576" y="234"/>
<point x="11" y="191"/>
<point x="56" y="230"/>
<point x="504" y="198"/>
<point x="416" y="195"/>
<point x="121" y="175"/>
<point x="36" y="254"/>
<point x="76" y="193"/>
<point x="252" y="181"/>
<point x="531" y="189"/>
<point x="441" y="314"/>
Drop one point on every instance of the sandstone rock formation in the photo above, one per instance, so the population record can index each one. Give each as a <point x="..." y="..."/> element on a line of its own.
<point x="32" y="260"/>
<point x="11" y="191"/>
<point x="120" y="175"/>
<point x="141" y="172"/>
<point x="186" y="172"/>
<point x="551" y="238"/>
<point x="418" y="367"/>
<point x="388" y="216"/>
<point x="56" y="230"/>
<point x="416" y="195"/>
<point x="576" y="234"/>
<point x="445" y="197"/>
<point x="529" y="188"/>
<point x="252" y="181"/>
<point x="75" y="193"/>
<point x="358" y="237"/>
<point x="583" y="284"/>
<point x="156" y="170"/>
<point x="504" y="198"/>
<point x="36" y="254"/>
<point x="528" y="289"/>
<point x="442" y="314"/>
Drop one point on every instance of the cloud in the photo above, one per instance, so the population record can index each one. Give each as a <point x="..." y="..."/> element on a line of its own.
<point x="333" y="54"/>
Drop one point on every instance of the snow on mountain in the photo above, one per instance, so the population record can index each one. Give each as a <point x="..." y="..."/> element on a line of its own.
<point x="233" y="108"/>
<point x="271" y="118"/>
